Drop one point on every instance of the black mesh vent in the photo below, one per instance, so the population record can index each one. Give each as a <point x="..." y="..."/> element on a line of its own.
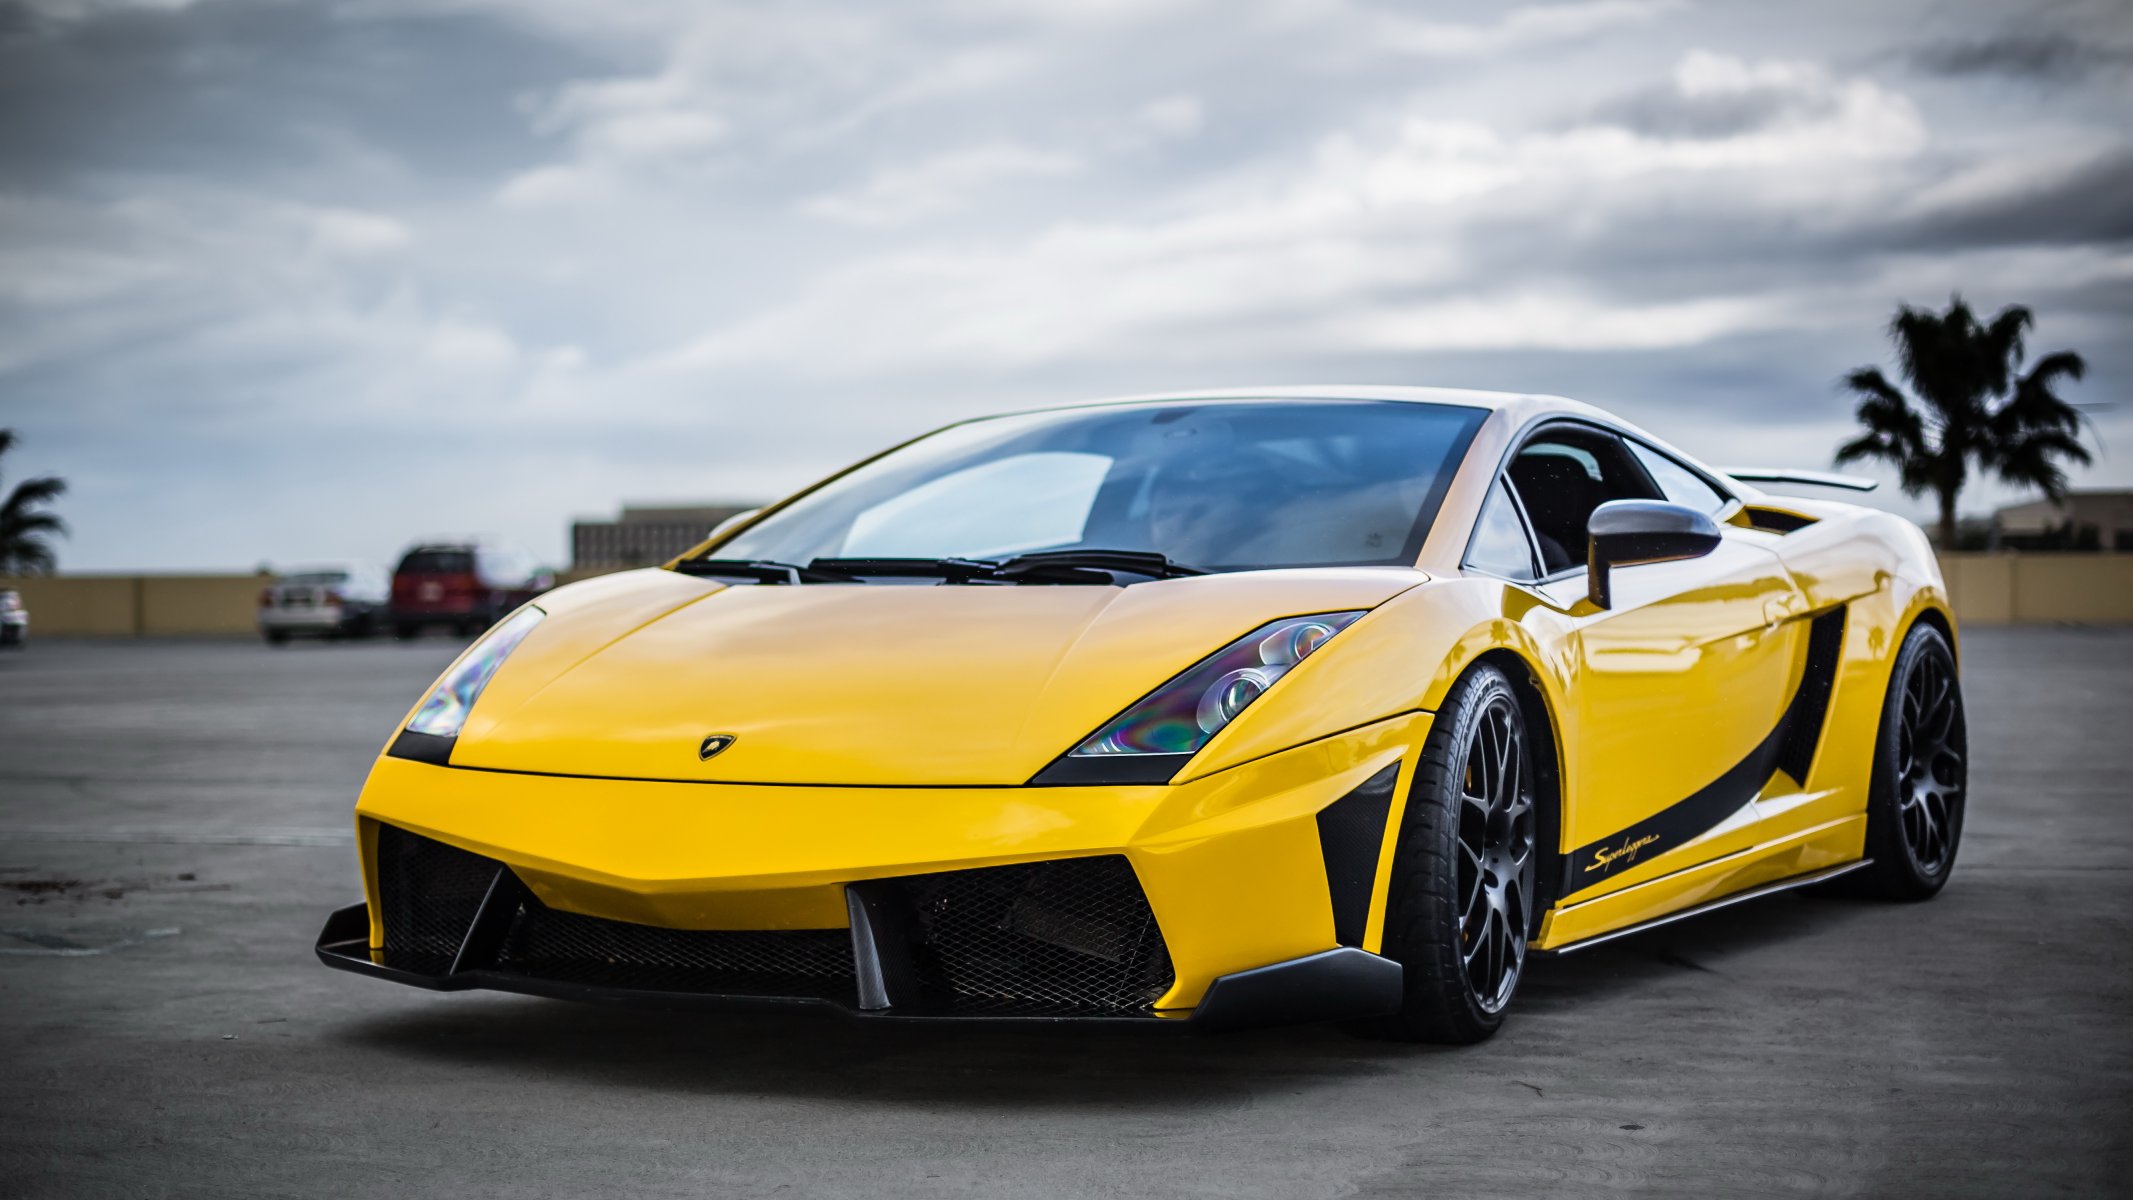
<point x="1052" y="938"/>
<point x="547" y="944"/>
<point x="429" y="892"/>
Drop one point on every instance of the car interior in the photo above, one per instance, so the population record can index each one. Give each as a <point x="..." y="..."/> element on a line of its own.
<point x="1561" y="476"/>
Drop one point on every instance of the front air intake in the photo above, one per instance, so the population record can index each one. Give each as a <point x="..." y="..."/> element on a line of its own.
<point x="429" y="894"/>
<point x="432" y="896"/>
<point x="1073" y="937"/>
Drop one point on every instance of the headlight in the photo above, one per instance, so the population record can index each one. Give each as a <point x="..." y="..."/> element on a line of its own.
<point x="1148" y="742"/>
<point x="444" y="711"/>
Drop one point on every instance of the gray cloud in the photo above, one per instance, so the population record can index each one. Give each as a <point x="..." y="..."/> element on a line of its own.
<point x="2048" y="58"/>
<point x="297" y="280"/>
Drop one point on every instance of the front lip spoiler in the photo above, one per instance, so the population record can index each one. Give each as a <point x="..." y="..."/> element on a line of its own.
<point x="1335" y="984"/>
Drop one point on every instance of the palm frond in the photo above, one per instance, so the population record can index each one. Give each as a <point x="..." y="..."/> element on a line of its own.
<point x="33" y="492"/>
<point x="2002" y="348"/>
<point x="2034" y="461"/>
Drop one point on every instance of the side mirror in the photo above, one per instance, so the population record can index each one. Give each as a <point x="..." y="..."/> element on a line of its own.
<point x="1631" y="533"/>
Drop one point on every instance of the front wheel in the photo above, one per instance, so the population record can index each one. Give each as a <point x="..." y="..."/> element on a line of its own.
<point x="1914" y="810"/>
<point x="1463" y="880"/>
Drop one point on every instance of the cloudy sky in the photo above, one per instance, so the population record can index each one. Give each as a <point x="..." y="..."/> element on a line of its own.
<point x="289" y="280"/>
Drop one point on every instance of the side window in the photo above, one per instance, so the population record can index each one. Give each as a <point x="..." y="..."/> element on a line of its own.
<point x="1500" y="546"/>
<point x="1564" y="473"/>
<point x="1681" y="485"/>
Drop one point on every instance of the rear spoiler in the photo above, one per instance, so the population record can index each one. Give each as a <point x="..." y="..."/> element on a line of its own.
<point x="1850" y="483"/>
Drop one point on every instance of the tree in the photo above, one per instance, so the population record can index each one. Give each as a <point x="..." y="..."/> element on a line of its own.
<point x="26" y="528"/>
<point x="1967" y="405"/>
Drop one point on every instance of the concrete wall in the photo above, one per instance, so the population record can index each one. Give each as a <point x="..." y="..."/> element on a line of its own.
<point x="2032" y="589"/>
<point x="1988" y="589"/>
<point x="137" y="605"/>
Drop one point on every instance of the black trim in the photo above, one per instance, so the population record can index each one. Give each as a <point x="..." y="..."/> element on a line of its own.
<point x="423" y="747"/>
<point x="1791" y="742"/>
<point x="881" y="945"/>
<point x="1332" y="985"/>
<point x="1810" y="705"/>
<point x="1725" y="901"/>
<point x="1351" y="831"/>
<point x="1092" y="770"/>
<point x="492" y="922"/>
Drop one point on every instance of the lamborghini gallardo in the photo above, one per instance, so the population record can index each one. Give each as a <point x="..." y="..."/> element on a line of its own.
<point x="1220" y="709"/>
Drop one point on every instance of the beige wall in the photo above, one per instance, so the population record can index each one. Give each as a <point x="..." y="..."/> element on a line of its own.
<point x="132" y="605"/>
<point x="1987" y="589"/>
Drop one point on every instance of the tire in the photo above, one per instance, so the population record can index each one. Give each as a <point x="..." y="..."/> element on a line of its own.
<point x="1914" y="808"/>
<point x="277" y="637"/>
<point x="1464" y="872"/>
<point x="406" y="631"/>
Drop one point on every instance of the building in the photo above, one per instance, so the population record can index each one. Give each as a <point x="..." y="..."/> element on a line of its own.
<point x="644" y="536"/>
<point x="2085" y="520"/>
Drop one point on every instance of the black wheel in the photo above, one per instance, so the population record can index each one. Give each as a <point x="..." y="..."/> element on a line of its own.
<point x="1463" y="878"/>
<point x="1914" y="812"/>
<point x="406" y="631"/>
<point x="277" y="637"/>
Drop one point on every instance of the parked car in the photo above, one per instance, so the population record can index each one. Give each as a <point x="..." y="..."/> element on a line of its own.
<point x="329" y="602"/>
<point x="14" y="619"/>
<point x="463" y="586"/>
<point x="1235" y="708"/>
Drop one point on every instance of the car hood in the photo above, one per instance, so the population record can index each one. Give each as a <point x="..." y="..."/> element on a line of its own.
<point x="859" y="684"/>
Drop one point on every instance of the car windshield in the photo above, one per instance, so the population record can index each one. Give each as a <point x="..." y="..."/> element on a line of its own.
<point x="1221" y="486"/>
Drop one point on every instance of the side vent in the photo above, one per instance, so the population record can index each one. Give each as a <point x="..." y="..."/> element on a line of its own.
<point x="1351" y="830"/>
<point x="1810" y="705"/>
<point x="1776" y="520"/>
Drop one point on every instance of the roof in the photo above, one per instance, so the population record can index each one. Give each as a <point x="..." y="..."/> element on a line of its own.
<point x="1463" y="397"/>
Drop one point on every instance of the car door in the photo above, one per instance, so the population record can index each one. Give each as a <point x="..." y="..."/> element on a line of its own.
<point x="1680" y="686"/>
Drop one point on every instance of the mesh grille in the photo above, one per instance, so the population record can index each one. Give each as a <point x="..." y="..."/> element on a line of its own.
<point x="548" y="944"/>
<point x="1057" y="938"/>
<point x="430" y="893"/>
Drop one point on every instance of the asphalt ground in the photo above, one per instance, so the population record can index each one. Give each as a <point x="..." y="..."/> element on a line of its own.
<point x="174" y="826"/>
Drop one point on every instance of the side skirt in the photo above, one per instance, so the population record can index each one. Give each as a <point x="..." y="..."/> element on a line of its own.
<point x="1708" y="906"/>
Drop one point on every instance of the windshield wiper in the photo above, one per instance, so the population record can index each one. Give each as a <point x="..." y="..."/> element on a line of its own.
<point x="1044" y="565"/>
<point x="760" y="570"/>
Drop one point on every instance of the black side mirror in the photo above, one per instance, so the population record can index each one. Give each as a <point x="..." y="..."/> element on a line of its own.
<point x="1630" y="533"/>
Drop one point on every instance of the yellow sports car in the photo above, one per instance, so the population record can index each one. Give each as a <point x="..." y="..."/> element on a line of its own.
<point x="1220" y="709"/>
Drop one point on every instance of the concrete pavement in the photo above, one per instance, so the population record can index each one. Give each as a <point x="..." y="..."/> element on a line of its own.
<point x="174" y="826"/>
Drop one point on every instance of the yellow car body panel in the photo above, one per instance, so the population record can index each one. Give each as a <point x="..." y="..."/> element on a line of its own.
<point x="890" y="731"/>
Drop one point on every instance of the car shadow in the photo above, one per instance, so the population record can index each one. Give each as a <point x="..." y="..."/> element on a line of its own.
<point x="1706" y="943"/>
<point x="823" y="1055"/>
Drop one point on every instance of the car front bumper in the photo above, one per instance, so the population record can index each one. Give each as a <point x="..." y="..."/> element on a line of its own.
<point x="1260" y="886"/>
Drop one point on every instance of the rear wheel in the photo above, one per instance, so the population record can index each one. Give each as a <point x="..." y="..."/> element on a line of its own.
<point x="406" y="631"/>
<point x="1463" y="878"/>
<point x="277" y="637"/>
<point x="1914" y="812"/>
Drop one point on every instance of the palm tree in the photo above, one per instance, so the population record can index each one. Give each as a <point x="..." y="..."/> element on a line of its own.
<point x="1970" y="406"/>
<point x="25" y="529"/>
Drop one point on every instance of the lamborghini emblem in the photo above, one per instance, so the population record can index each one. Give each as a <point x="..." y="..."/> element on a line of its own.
<point x="714" y="745"/>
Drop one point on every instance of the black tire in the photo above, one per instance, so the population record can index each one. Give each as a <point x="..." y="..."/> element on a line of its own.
<point x="406" y="631"/>
<point x="277" y="637"/>
<point x="1464" y="872"/>
<point x="1914" y="810"/>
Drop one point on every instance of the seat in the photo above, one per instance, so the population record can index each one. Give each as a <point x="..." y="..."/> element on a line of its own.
<point x="1559" y="496"/>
